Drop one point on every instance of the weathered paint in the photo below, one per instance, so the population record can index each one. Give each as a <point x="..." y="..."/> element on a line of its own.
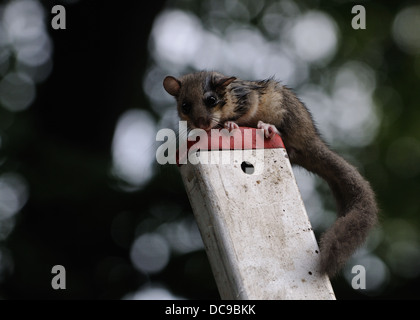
<point x="255" y="228"/>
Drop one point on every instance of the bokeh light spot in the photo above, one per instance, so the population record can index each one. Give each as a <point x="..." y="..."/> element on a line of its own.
<point x="17" y="91"/>
<point x="150" y="253"/>
<point x="405" y="29"/>
<point x="315" y="36"/>
<point x="133" y="144"/>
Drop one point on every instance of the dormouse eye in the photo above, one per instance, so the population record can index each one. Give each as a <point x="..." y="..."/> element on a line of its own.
<point x="185" y="107"/>
<point x="211" y="101"/>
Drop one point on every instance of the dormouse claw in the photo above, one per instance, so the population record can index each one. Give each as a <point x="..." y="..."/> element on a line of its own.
<point x="230" y="125"/>
<point x="269" y="130"/>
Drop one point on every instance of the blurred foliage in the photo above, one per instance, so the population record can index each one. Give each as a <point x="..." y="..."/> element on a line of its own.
<point x="62" y="201"/>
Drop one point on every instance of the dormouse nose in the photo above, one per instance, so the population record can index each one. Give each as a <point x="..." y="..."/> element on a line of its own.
<point x="203" y="123"/>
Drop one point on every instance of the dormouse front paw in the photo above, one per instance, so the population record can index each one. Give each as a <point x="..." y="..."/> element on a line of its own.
<point x="269" y="130"/>
<point x="230" y="125"/>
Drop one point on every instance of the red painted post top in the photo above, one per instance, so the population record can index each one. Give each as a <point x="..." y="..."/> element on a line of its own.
<point x="244" y="138"/>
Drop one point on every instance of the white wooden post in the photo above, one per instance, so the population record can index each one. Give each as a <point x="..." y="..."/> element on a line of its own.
<point x="255" y="229"/>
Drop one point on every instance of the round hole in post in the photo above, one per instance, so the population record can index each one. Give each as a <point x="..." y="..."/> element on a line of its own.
<point x="247" y="167"/>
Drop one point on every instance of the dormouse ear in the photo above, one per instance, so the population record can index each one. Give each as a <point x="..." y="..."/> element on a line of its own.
<point x="224" y="82"/>
<point x="172" y="85"/>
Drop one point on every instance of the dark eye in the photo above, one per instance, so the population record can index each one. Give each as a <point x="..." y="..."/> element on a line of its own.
<point x="185" y="107"/>
<point x="211" y="101"/>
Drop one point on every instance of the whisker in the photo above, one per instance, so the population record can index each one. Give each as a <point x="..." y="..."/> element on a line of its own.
<point x="218" y="123"/>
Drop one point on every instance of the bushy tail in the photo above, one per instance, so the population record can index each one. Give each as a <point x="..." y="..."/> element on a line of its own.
<point x="355" y="199"/>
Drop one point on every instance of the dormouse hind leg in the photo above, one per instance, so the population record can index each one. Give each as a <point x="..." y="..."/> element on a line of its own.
<point x="269" y="130"/>
<point x="230" y="125"/>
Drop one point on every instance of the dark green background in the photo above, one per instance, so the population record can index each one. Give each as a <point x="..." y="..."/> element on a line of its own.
<point x="61" y="145"/>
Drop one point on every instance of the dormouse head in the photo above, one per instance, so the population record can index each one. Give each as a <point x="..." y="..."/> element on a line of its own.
<point x="200" y="97"/>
